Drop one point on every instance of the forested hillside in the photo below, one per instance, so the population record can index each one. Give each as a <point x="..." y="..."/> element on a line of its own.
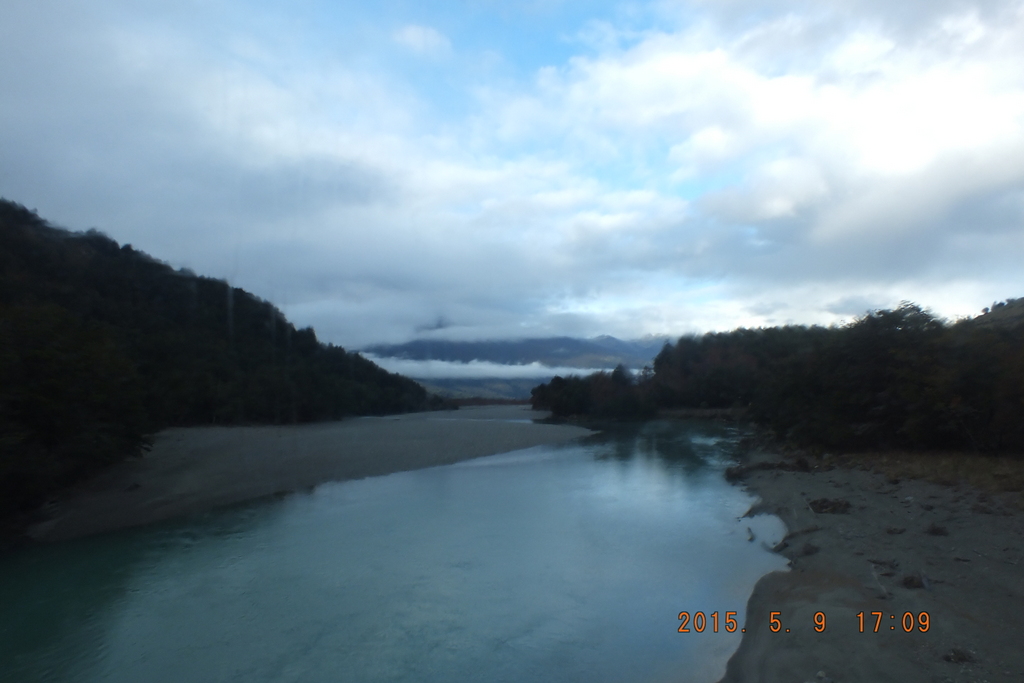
<point x="891" y="379"/>
<point x="101" y="345"/>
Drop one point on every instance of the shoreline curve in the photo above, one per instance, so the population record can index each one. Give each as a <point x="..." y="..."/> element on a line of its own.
<point x="193" y="469"/>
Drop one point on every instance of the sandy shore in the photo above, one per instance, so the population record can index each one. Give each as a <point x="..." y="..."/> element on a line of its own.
<point x="902" y="546"/>
<point x="195" y="469"/>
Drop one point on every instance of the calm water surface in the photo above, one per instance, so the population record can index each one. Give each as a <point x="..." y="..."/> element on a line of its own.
<point x="561" y="563"/>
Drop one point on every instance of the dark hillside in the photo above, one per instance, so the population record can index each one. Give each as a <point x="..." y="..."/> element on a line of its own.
<point x="1005" y="314"/>
<point x="101" y="344"/>
<point x="892" y="379"/>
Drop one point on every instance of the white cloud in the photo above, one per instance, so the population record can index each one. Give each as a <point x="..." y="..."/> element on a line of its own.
<point x="691" y="177"/>
<point x="474" y="369"/>
<point x="423" y="39"/>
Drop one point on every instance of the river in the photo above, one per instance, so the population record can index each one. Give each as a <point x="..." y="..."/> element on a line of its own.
<point x="554" y="563"/>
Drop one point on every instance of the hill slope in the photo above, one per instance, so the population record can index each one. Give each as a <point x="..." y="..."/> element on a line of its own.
<point x="892" y="379"/>
<point x="101" y="344"/>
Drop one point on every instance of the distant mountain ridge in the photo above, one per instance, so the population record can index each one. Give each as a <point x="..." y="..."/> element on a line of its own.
<point x="598" y="352"/>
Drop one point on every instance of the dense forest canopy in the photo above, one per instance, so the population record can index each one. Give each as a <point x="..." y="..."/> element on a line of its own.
<point x="891" y="379"/>
<point x="101" y="345"/>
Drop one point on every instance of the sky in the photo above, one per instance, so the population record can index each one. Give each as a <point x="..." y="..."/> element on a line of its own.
<point x="524" y="168"/>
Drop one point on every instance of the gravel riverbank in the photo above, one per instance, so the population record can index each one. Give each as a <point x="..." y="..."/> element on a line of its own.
<point x="862" y="541"/>
<point x="198" y="468"/>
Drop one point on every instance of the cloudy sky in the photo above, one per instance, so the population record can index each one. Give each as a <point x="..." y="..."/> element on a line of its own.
<point x="520" y="168"/>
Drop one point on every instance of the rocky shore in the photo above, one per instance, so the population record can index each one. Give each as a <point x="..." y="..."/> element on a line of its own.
<point x="938" y="568"/>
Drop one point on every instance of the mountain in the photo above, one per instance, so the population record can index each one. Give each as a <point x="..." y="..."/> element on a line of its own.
<point x="599" y="352"/>
<point x="101" y="344"/>
<point x="484" y="388"/>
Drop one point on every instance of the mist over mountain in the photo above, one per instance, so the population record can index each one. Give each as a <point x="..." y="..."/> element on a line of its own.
<point x="598" y="352"/>
<point x="510" y="368"/>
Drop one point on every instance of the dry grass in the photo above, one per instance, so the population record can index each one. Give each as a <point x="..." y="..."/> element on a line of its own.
<point x="986" y="473"/>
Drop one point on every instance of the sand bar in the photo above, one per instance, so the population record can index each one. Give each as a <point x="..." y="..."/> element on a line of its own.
<point x="198" y="468"/>
<point x="902" y="546"/>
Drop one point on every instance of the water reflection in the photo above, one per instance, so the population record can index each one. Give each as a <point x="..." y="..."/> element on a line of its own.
<point x="554" y="563"/>
<point x="58" y="599"/>
<point x="686" y="452"/>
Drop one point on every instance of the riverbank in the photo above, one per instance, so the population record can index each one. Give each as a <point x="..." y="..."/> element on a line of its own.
<point x="199" y="468"/>
<point x="865" y="540"/>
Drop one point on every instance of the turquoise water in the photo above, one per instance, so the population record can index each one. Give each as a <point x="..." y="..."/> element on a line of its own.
<point x="564" y="563"/>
